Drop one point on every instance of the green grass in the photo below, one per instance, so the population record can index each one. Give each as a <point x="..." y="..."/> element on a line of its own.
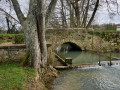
<point x="14" y="77"/>
<point x="12" y="35"/>
<point x="17" y="38"/>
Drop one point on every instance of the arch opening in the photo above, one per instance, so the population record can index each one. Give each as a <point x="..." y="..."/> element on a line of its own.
<point x="69" y="46"/>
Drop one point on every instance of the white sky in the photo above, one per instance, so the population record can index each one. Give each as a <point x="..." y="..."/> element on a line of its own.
<point x="103" y="16"/>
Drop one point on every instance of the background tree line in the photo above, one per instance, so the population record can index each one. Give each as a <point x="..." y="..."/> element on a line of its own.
<point x="109" y="26"/>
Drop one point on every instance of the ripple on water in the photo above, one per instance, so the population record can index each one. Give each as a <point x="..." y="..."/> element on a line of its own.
<point x="89" y="78"/>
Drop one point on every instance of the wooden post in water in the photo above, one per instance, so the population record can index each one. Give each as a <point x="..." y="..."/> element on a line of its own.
<point x="110" y="59"/>
<point x="110" y="55"/>
<point x="92" y="41"/>
<point x="99" y="61"/>
<point x="99" y="51"/>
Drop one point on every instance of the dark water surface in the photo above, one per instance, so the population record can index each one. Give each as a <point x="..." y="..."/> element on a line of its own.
<point x="88" y="78"/>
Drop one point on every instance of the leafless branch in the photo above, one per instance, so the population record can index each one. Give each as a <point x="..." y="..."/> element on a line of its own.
<point x="9" y="15"/>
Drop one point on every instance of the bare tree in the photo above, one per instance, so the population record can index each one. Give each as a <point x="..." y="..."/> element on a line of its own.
<point x="85" y="15"/>
<point x="79" y="15"/>
<point x="93" y="14"/>
<point x="63" y="14"/>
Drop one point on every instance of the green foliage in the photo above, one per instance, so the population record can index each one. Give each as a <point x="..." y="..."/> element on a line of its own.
<point x="83" y="31"/>
<point x="19" y="39"/>
<point x="114" y="37"/>
<point x="106" y="35"/>
<point x="14" y="77"/>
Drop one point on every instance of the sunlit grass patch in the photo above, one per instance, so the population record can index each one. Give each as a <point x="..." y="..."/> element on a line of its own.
<point x="14" y="77"/>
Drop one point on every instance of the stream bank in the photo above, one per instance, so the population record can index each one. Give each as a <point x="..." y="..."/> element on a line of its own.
<point x="15" y="77"/>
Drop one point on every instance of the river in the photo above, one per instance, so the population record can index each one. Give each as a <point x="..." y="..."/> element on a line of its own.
<point x="89" y="78"/>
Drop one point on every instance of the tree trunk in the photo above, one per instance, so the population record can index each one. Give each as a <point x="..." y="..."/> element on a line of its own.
<point x="63" y="16"/>
<point x="50" y="9"/>
<point x="34" y="30"/>
<point x="77" y="14"/>
<point x="40" y="23"/>
<point x="72" y="24"/>
<point x="31" y="39"/>
<point x="86" y="15"/>
<point x="71" y="11"/>
<point x="8" y="25"/>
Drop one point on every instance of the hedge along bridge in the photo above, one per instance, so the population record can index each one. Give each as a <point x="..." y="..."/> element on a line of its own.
<point x="73" y="36"/>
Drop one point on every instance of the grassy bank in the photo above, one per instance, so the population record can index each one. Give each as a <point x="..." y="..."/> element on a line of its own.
<point x="14" y="77"/>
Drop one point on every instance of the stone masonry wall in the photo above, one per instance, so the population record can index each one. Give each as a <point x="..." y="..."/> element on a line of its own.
<point x="14" y="55"/>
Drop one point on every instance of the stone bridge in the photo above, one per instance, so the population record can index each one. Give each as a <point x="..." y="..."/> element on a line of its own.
<point x="54" y="37"/>
<point x="75" y="36"/>
<point x="79" y="37"/>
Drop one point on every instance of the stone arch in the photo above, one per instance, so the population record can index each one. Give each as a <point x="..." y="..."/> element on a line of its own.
<point x="73" y="46"/>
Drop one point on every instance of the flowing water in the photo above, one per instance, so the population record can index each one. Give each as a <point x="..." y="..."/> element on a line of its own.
<point x="89" y="78"/>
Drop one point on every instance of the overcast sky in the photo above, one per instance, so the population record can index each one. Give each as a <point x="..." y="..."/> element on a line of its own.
<point x="101" y="17"/>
